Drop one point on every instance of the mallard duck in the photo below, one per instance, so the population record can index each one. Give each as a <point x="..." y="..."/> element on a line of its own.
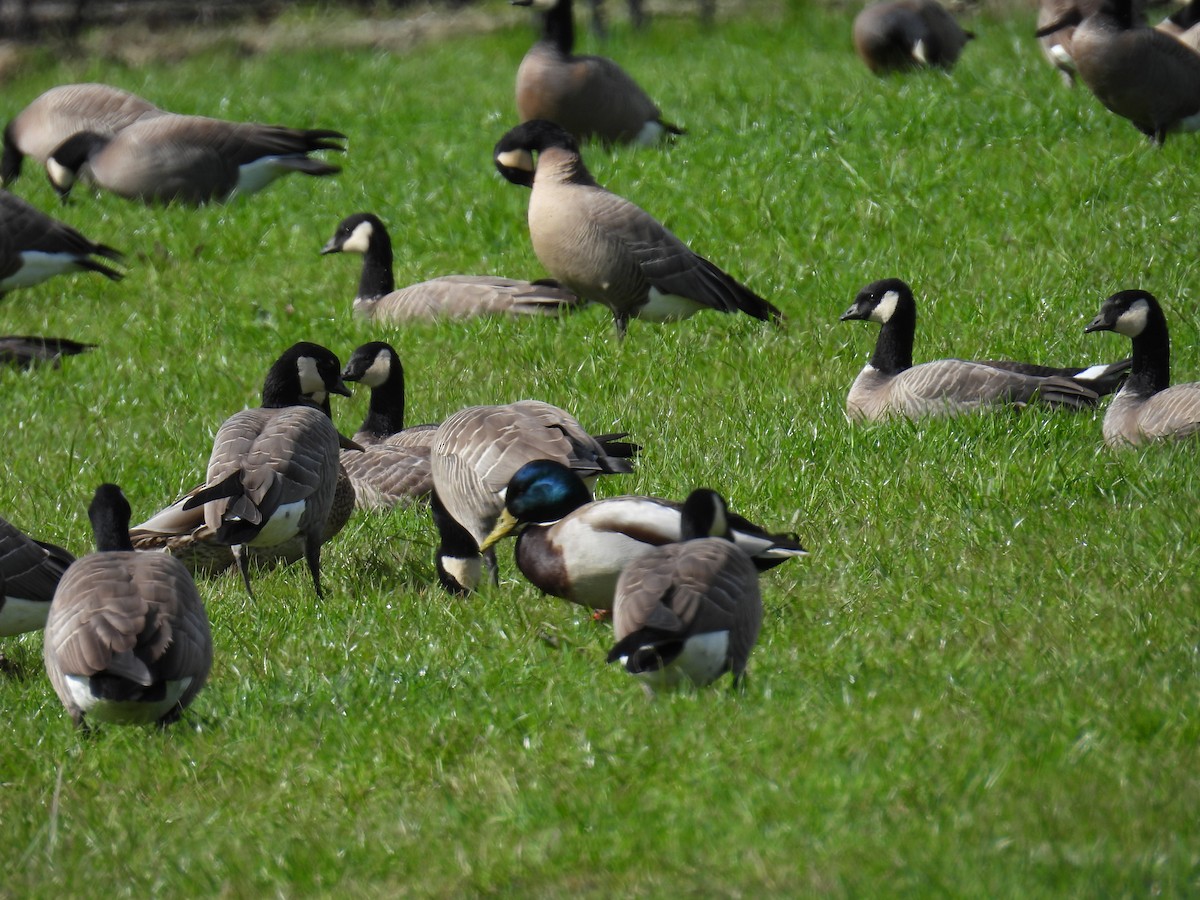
<point x="574" y="547"/>
<point x="127" y="637"/>
<point x="688" y="612"/>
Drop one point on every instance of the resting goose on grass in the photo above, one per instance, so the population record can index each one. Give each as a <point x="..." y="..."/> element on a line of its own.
<point x="890" y="385"/>
<point x="1148" y="407"/>
<point x="574" y="547"/>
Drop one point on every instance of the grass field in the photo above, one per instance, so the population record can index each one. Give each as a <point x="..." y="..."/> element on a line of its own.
<point x="982" y="682"/>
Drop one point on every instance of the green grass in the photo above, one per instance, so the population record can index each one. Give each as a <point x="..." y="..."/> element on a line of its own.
<point x="983" y="682"/>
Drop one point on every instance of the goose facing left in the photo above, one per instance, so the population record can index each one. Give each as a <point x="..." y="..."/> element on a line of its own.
<point x="447" y="297"/>
<point x="605" y="248"/>
<point x="63" y="111"/>
<point x="29" y="572"/>
<point x="34" y="247"/>
<point x="127" y="638"/>
<point x="273" y="471"/>
<point x="189" y="159"/>
<point x="890" y="385"/>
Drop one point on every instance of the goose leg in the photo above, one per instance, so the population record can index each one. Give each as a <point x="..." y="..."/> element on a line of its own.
<point x="312" y="554"/>
<point x="239" y="554"/>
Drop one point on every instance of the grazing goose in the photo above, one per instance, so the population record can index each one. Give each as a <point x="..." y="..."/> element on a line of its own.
<point x="189" y="159"/>
<point x="1142" y="74"/>
<point x="28" y="350"/>
<point x="907" y="34"/>
<point x="393" y="465"/>
<point x="890" y="385"/>
<point x="478" y="449"/>
<point x="574" y="547"/>
<point x="34" y="247"/>
<point x="29" y="572"/>
<point x="1056" y="43"/>
<point x="590" y="96"/>
<point x="449" y="297"/>
<point x="603" y="247"/>
<point x="63" y="111"/>
<point x="687" y="613"/>
<point x="273" y="472"/>
<point x="127" y="638"/>
<point x="1147" y="408"/>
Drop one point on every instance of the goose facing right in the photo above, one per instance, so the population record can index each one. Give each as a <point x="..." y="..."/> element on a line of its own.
<point x="127" y="638"/>
<point x="52" y="117"/>
<point x="890" y="385"/>
<point x="686" y="613"/>
<point x="605" y="248"/>
<point x="589" y="96"/>
<point x="448" y="297"/>
<point x="35" y="246"/>
<point x="1148" y="407"/>
<point x="904" y="34"/>
<point x="189" y="159"/>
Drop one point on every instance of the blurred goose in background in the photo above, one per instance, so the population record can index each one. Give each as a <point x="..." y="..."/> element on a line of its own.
<point x="1147" y="408"/>
<point x="478" y="449"/>
<point x="688" y="612"/>
<point x="34" y="247"/>
<point x="27" y="350"/>
<point x="189" y="159"/>
<point x="907" y="34"/>
<point x="589" y="96"/>
<point x="127" y="638"/>
<point x="606" y="249"/>
<point x="574" y="547"/>
<point x="273" y="472"/>
<point x="29" y="572"/>
<point x="393" y="466"/>
<point x="449" y="297"/>
<point x="41" y="127"/>
<point x="1142" y="74"/>
<point x="1056" y="44"/>
<point x="890" y="385"/>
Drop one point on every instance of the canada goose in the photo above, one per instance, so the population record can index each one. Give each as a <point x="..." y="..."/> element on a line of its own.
<point x="1142" y="74"/>
<point x="127" y="638"/>
<point x="907" y="34"/>
<point x="393" y="465"/>
<point x="63" y="111"/>
<point x="27" y="350"/>
<point x="478" y="449"/>
<point x="29" y="572"/>
<point x="574" y="547"/>
<point x="449" y="297"/>
<point x="603" y="247"/>
<point x="1148" y="407"/>
<point x="1056" y="43"/>
<point x="890" y="385"/>
<point x="688" y="612"/>
<point x="34" y="247"/>
<point x="273" y="470"/>
<point x="589" y="96"/>
<point x="189" y="159"/>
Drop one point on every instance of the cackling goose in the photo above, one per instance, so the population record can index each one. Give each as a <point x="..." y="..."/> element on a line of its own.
<point x="27" y="350"/>
<point x="603" y="247"/>
<point x="906" y="34"/>
<point x="189" y="159"/>
<point x="589" y="96"/>
<point x="29" y="572"/>
<point x="1148" y="407"/>
<point x="34" y="247"/>
<point x="686" y="613"/>
<point x="127" y="637"/>
<point x="574" y="547"/>
<point x="448" y="297"/>
<point x="890" y="385"/>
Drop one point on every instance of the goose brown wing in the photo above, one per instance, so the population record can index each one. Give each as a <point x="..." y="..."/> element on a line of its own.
<point x="28" y="568"/>
<point x="1172" y="413"/>
<point x="97" y="614"/>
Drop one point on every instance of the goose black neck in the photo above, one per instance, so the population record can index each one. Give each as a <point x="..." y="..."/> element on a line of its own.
<point x="894" y="348"/>
<point x="558" y="27"/>
<point x="385" y="411"/>
<point x="10" y="163"/>
<point x="377" y="279"/>
<point x="1151" y="369"/>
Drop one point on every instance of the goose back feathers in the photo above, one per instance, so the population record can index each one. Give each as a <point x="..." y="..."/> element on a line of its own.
<point x="603" y="247"/>
<point x="1148" y="407"/>
<point x="34" y="247"/>
<point x="890" y="385"/>
<point x="127" y="638"/>
<point x="29" y="572"/>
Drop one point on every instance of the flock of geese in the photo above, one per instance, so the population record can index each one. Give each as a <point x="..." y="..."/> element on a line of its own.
<point x="126" y="635"/>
